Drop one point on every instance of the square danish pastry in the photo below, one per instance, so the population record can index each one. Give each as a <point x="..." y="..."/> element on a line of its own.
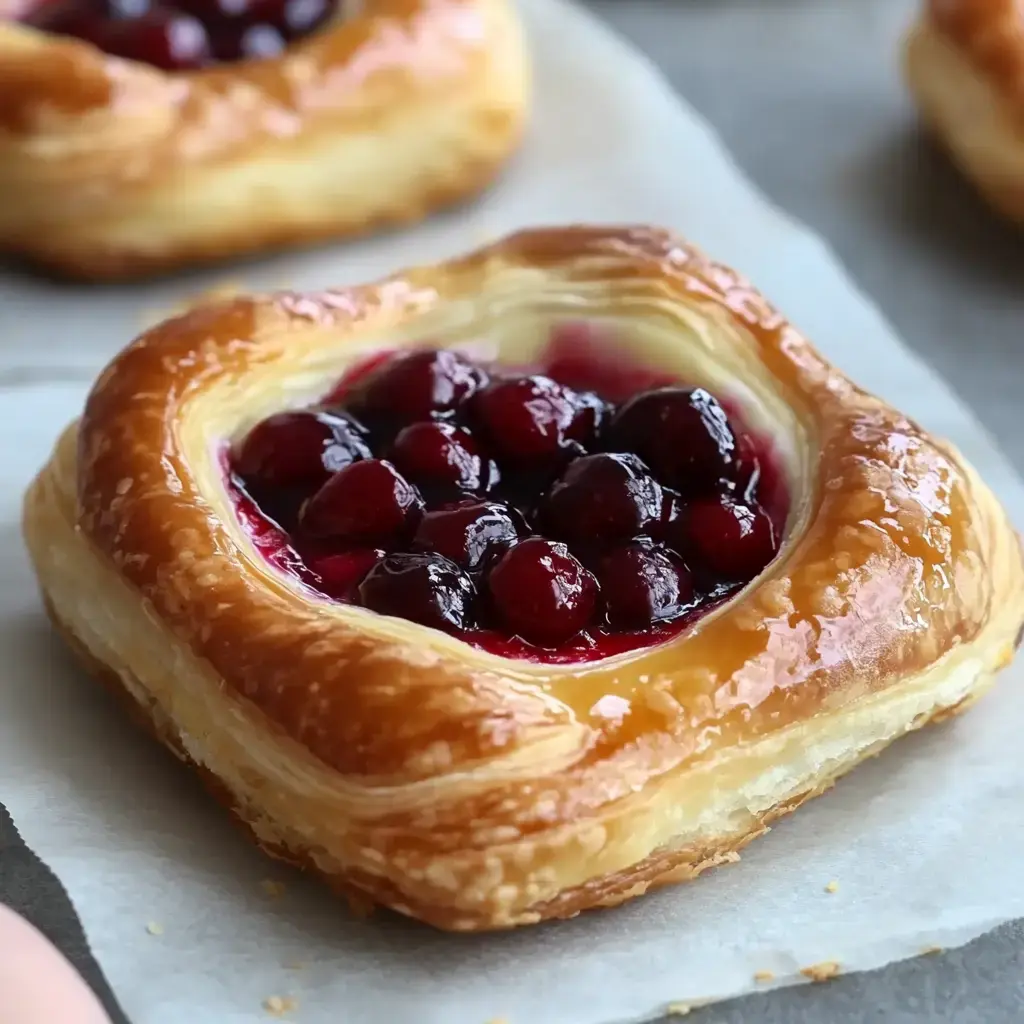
<point x="140" y="136"/>
<point x="517" y="585"/>
<point x="964" y="64"/>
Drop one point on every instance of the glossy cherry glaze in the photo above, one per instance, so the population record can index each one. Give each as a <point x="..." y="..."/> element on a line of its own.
<point x="182" y="35"/>
<point x="549" y="513"/>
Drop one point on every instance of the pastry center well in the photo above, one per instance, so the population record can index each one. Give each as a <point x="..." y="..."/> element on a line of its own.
<point x="561" y="512"/>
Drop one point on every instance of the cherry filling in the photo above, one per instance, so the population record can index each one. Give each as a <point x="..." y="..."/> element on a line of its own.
<point x="183" y="35"/>
<point x="554" y="513"/>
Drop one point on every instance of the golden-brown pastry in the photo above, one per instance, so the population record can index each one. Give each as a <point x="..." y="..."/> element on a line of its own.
<point x="964" y="63"/>
<point x="420" y="767"/>
<point x="111" y="168"/>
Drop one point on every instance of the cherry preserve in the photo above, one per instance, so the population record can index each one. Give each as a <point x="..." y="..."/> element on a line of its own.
<point x="182" y="35"/>
<point x="566" y="512"/>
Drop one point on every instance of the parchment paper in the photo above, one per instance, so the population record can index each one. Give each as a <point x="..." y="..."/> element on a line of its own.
<point x="923" y="842"/>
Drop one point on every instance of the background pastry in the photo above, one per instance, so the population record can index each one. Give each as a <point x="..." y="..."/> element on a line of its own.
<point x="964" y="63"/>
<point x="130" y="145"/>
<point x="484" y="771"/>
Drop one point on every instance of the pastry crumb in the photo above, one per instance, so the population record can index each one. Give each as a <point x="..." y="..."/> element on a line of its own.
<point x="932" y="950"/>
<point x="278" y="1006"/>
<point x="824" y="971"/>
<point x="155" y="928"/>
<point x="832" y="886"/>
<point x="764" y="976"/>
<point x="272" y="888"/>
<point x="678" y="1009"/>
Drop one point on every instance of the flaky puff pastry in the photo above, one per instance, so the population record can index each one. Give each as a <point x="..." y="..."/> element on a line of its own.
<point x="964" y="64"/>
<point x="113" y="169"/>
<point x="457" y="786"/>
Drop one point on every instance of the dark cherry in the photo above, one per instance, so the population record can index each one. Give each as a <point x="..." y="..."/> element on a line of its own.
<point x="292" y="17"/>
<point x="425" y="588"/>
<point x="542" y="593"/>
<point x="368" y="502"/>
<point x="731" y="540"/>
<point x="163" y="37"/>
<point x="248" y="42"/>
<point x="300" y="448"/>
<point x="643" y="584"/>
<point x="525" y="514"/>
<point x="131" y="8"/>
<point x="341" y="573"/>
<point x="672" y="528"/>
<point x="683" y="434"/>
<point x="529" y="421"/>
<point x="442" y="455"/>
<point x="183" y="35"/>
<point x="417" y="386"/>
<point x="78" y="18"/>
<point x="470" y="534"/>
<point x="747" y="474"/>
<point x="304" y="16"/>
<point x="603" y="498"/>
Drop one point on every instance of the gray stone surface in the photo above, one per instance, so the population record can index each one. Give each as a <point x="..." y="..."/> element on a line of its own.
<point x="808" y="98"/>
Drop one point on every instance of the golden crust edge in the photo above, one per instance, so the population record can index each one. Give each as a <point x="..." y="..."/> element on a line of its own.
<point x="433" y="904"/>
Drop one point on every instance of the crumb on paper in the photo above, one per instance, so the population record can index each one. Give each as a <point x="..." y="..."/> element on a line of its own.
<point x="824" y="971"/>
<point x="272" y="888"/>
<point x="762" y="977"/>
<point x="832" y="886"/>
<point x="678" y="1009"/>
<point x="278" y="1006"/>
<point x="932" y="950"/>
<point x="155" y="928"/>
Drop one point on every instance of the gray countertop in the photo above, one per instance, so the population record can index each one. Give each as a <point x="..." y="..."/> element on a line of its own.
<point x="808" y="98"/>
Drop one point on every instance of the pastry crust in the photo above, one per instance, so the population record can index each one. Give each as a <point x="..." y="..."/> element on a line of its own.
<point x="112" y="169"/>
<point x="456" y="786"/>
<point x="964" y="64"/>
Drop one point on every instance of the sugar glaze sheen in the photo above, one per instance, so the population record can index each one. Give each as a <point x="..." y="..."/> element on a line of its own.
<point x="477" y="791"/>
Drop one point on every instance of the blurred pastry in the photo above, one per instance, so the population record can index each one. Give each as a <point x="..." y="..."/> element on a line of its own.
<point x="139" y="137"/>
<point x="964" y="63"/>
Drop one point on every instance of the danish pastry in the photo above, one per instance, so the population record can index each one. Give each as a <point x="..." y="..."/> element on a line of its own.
<point x="517" y="585"/>
<point x="964" y="63"/>
<point x="139" y="137"/>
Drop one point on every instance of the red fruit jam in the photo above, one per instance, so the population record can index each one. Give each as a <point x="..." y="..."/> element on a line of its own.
<point x="562" y="512"/>
<point x="182" y="35"/>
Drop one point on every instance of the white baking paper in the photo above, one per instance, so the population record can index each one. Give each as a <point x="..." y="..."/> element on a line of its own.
<point x="923" y="842"/>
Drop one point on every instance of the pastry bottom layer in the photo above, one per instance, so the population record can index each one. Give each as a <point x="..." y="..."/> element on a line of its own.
<point x="675" y="827"/>
<point x="977" y="124"/>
